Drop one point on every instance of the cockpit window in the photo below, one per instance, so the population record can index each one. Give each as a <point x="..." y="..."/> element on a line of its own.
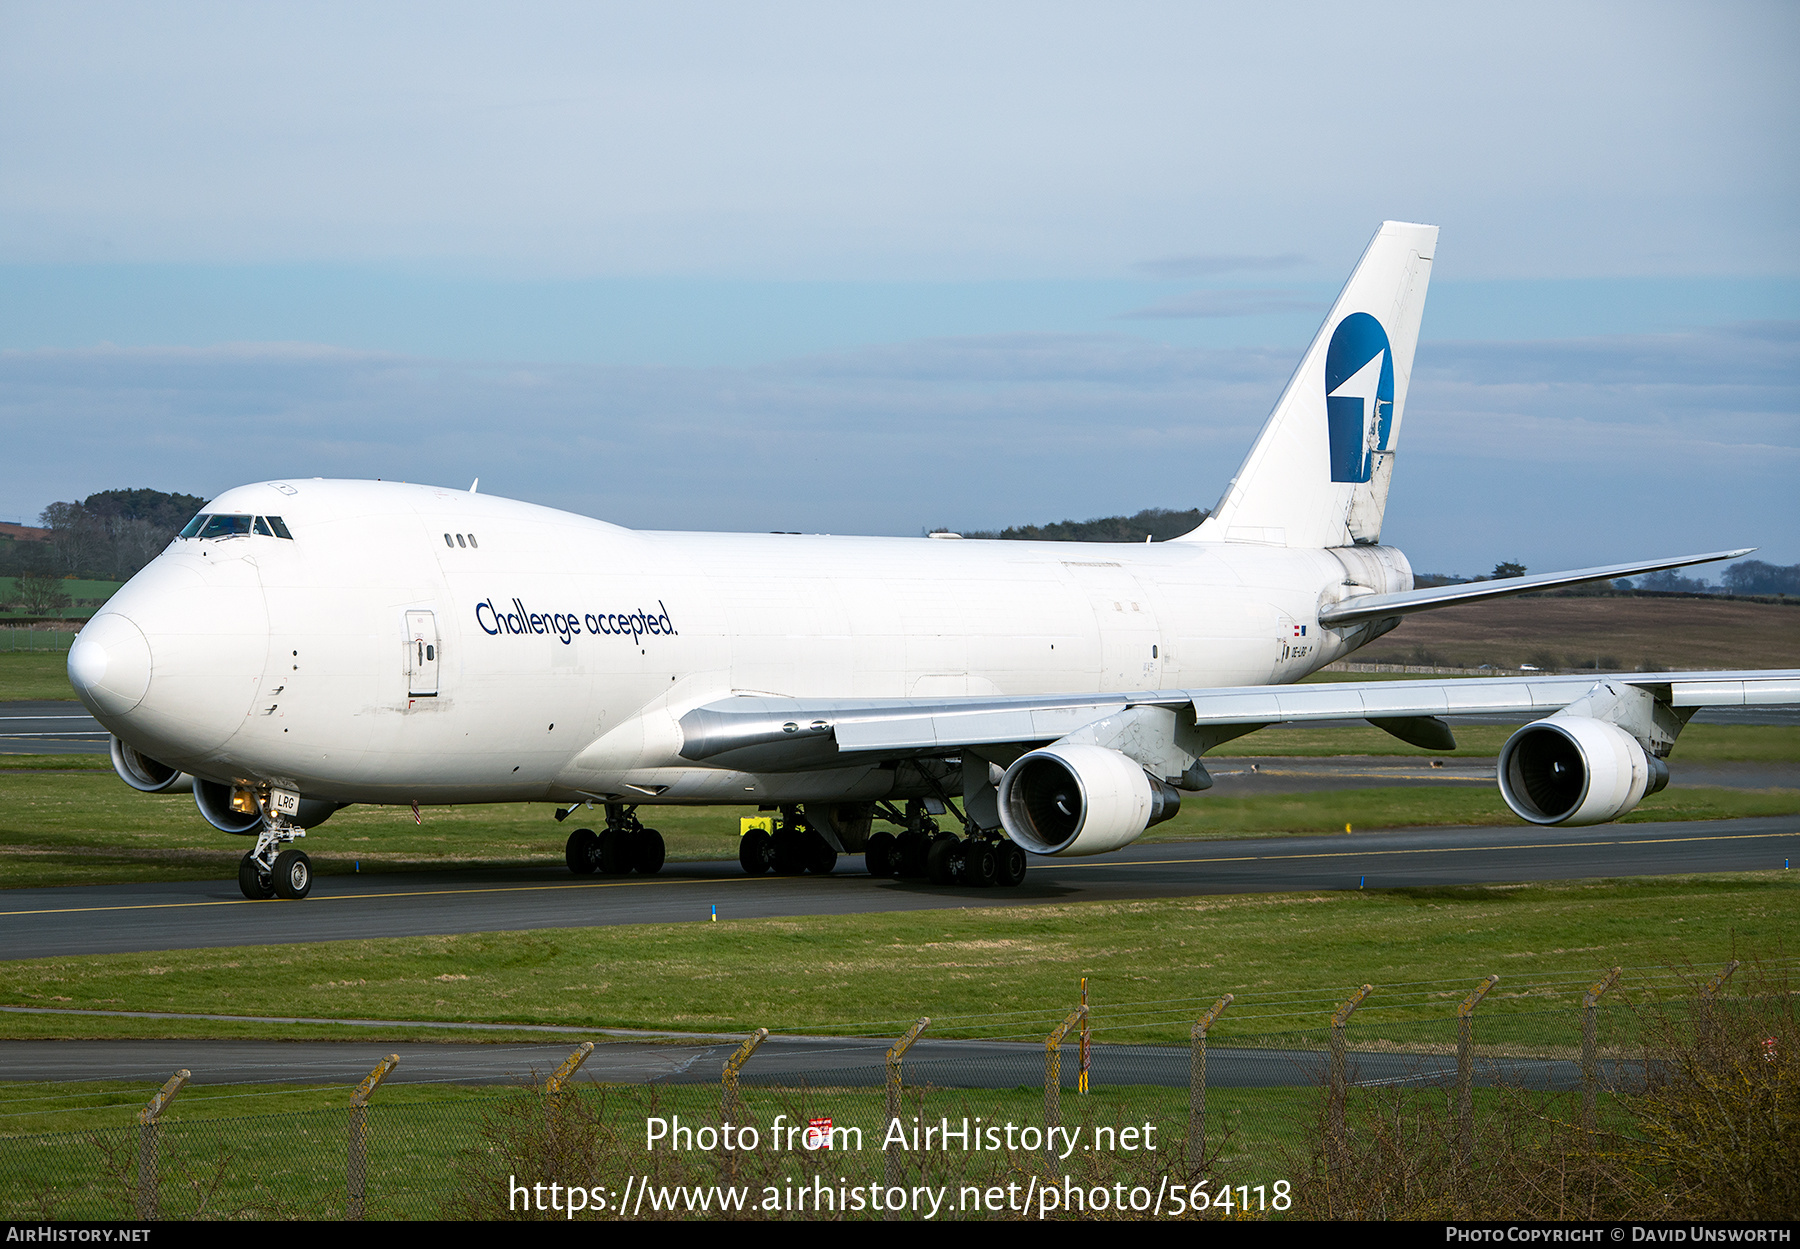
<point x="207" y="525"/>
<point x="225" y="526"/>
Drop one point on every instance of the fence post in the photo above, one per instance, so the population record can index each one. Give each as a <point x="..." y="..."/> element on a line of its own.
<point x="1053" y="1076"/>
<point x="891" y="1157"/>
<point x="1590" y="1026"/>
<point x="728" y="1080"/>
<point x="148" y="1127"/>
<point x="356" y="1168"/>
<point x="1196" y="1150"/>
<point x="555" y="1088"/>
<point x="1465" y="1065"/>
<point x="1081" y="1080"/>
<point x="1339" y="1079"/>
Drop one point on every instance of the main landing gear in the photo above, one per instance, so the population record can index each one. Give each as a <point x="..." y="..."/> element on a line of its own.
<point x="794" y="848"/>
<point x="272" y="872"/>
<point x="622" y="847"/>
<point x="979" y="859"/>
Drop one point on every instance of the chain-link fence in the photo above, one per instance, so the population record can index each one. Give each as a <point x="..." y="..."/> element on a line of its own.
<point x="966" y="1109"/>
<point x="21" y="638"/>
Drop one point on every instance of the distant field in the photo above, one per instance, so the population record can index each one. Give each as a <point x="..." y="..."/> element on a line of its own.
<point x="1622" y="634"/>
<point x="85" y="597"/>
<point x="34" y="674"/>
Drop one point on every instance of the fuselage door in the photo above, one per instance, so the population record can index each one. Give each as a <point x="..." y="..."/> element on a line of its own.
<point x="421" y="654"/>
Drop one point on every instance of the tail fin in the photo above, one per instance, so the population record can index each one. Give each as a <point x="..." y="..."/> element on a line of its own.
<point x="1318" y="474"/>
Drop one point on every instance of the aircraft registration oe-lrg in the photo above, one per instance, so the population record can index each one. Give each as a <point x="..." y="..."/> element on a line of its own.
<point x="308" y="644"/>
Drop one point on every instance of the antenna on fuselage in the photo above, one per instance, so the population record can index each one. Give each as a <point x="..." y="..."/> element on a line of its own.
<point x="473" y="484"/>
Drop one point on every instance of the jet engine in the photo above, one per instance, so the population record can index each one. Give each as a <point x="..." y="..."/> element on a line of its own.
<point x="227" y="807"/>
<point x="1075" y="799"/>
<point x="150" y="776"/>
<point x="234" y="809"/>
<point x="1576" y="770"/>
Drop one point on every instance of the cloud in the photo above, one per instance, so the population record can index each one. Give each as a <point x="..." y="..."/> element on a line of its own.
<point x="1227" y="303"/>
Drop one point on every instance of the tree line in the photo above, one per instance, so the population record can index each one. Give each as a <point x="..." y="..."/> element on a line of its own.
<point x="105" y="537"/>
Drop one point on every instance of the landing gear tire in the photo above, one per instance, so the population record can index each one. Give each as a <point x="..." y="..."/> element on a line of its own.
<point x="1010" y="861"/>
<point x="879" y="854"/>
<point x="756" y="854"/>
<point x="612" y="853"/>
<point x="940" y="859"/>
<point x="821" y="859"/>
<point x="980" y="864"/>
<point x="253" y="882"/>
<point x="580" y="851"/>
<point x="648" y="860"/>
<point x="910" y="852"/>
<point x="789" y="856"/>
<point x="292" y="875"/>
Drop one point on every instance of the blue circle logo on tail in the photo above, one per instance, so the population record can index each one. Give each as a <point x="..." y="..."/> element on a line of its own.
<point x="1359" y="395"/>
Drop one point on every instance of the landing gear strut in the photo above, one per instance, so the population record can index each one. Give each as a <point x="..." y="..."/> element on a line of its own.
<point x="270" y="871"/>
<point x="622" y="847"/>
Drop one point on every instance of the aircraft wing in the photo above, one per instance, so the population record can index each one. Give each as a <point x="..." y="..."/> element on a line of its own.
<point x="1362" y="607"/>
<point x="780" y="734"/>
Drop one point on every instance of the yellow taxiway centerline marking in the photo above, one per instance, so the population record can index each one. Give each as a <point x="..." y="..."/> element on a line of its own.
<point x="733" y="880"/>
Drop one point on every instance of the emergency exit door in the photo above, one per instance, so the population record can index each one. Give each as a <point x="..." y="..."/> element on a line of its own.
<point x="421" y="654"/>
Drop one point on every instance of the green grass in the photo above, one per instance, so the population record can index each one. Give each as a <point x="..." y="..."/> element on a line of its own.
<point x="1209" y="817"/>
<point x="996" y="971"/>
<point x="100" y="763"/>
<point x="35" y="675"/>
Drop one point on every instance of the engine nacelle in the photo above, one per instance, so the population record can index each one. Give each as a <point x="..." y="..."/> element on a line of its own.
<point x="1070" y="799"/>
<point x="233" y="809"/>
<point x="227" y="808"/>
<point x="1576" y="770"/>
<point x="147" y="775"/>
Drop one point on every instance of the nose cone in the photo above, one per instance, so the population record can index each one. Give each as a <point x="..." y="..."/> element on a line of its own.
<point x="109" y="665"/>
<point x="174" y="661"/>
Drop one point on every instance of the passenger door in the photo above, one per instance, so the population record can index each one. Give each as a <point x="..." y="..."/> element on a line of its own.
<point x="421" y="655"/>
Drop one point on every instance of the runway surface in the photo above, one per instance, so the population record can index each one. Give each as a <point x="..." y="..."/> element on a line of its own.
<point x="36" y="923"/>
<point x="843" y="1062"/>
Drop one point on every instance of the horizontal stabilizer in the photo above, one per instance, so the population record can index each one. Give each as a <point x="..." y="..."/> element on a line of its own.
<point x="1367" y="607"/>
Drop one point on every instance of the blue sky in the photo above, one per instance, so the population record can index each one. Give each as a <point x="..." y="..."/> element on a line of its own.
<point x="875" y="269"/>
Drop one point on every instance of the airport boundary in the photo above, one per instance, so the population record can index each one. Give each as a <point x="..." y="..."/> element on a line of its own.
<point x="1286" y="1100"/>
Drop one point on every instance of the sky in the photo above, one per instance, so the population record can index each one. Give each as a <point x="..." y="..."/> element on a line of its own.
<point x="883" y="268"/>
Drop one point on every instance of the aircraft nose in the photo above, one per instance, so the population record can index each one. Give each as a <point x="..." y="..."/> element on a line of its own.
<point x="173" y="662"/>
<point x="109" y="664"/>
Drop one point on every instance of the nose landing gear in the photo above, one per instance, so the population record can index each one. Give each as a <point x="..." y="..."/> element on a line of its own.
<point x="272" y="872"/>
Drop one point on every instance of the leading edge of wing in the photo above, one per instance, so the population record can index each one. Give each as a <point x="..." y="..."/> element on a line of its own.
<point x="753" y="731"/>
<point x="1365" y="607"/>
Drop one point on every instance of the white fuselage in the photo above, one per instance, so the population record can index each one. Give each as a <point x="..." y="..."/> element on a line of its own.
<point x="562" y="650"/>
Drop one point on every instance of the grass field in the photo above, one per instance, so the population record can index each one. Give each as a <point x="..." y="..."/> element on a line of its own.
<point x="1621" y="634"/>
<point x="34" y="675"/>
<point x="1000" y="971"/>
